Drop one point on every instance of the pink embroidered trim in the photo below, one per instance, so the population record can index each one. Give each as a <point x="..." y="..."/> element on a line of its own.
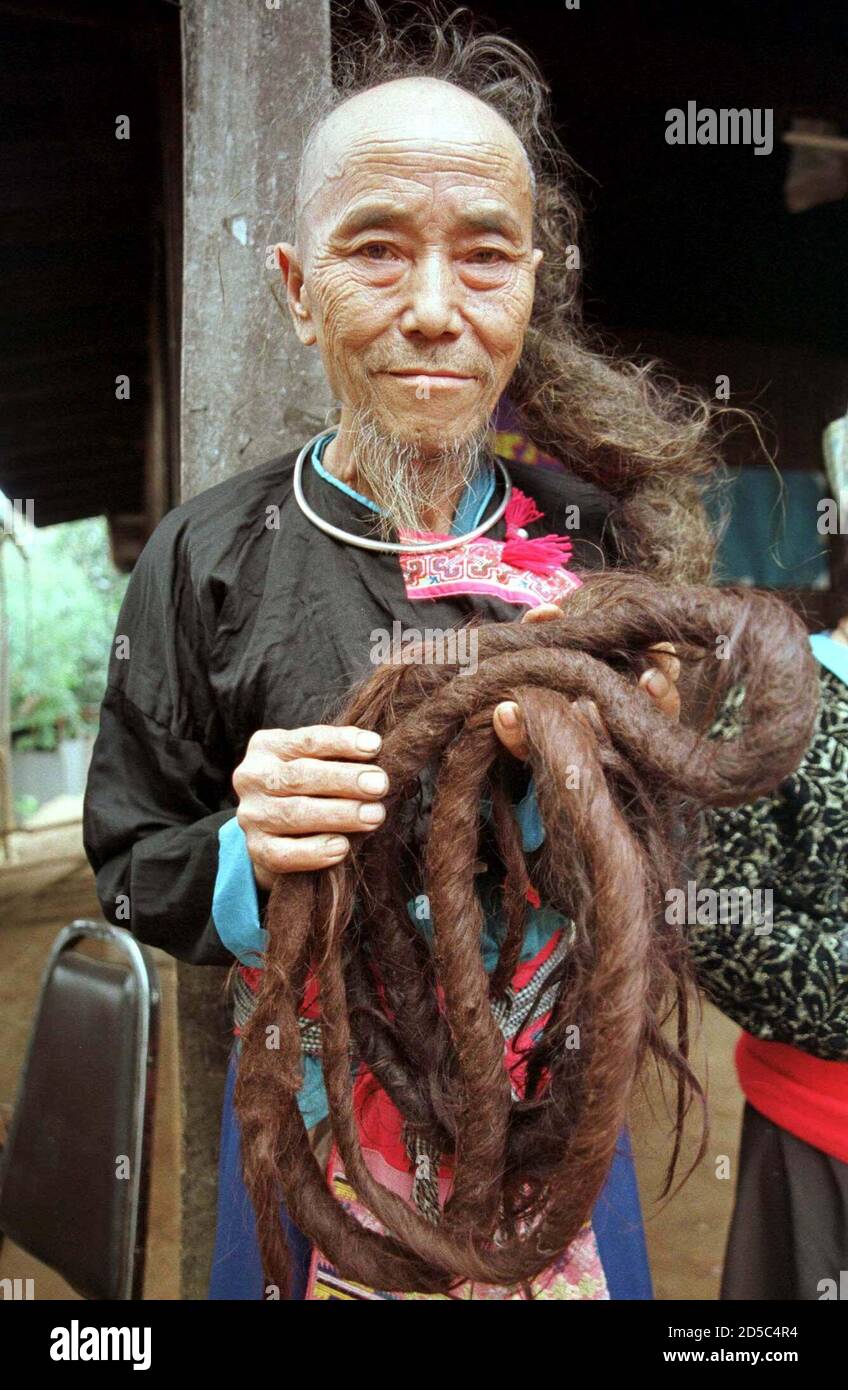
<point x="518" y="570"/>
<point x="479" y="568"/>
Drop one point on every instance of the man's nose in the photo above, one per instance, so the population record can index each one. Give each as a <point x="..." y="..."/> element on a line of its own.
<point x="433" y="308"/>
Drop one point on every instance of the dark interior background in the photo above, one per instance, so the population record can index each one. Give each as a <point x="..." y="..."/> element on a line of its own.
<point x="90" y="258"/>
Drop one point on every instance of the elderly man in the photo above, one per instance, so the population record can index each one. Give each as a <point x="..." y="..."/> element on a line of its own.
<point x="254" y="606"/>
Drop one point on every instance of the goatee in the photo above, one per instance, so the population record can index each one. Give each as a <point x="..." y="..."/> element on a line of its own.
<point x="407" y="487"/>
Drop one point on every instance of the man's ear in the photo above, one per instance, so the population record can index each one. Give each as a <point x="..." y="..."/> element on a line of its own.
<point x="297" y="296"/>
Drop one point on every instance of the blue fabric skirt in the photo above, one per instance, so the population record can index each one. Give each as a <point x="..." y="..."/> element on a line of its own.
<point x="237" y="1264"/>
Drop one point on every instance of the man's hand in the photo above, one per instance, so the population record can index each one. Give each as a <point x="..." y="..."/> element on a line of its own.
<point x="659" y="683"/>
<point x="300" y="790"/>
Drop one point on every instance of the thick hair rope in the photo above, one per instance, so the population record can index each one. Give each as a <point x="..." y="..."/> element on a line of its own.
<point x="619" y="787"/>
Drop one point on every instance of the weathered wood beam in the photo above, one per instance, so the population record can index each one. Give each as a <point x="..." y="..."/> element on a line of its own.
<point x="249" y="71"/>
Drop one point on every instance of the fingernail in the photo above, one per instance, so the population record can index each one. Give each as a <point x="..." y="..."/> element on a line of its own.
<point x="336" y="845"/>
<point x="657" y="683"/>
<point x="509" y="716"/>
<point x="373" y="781"/>
<point x="372" y="815"/>
<point x="368" y="743"/>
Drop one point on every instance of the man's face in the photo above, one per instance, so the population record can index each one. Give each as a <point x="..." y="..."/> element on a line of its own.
<point x="415" y="267"/>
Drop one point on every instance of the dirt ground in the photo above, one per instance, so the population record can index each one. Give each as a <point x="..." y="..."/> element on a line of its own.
<point x="686" y="1234"/>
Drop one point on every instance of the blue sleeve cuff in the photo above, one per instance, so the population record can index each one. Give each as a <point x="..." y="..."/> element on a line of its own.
<point x="832" y="654"/>
<point x="529" y="820"/>
<point x="235" y="904"/>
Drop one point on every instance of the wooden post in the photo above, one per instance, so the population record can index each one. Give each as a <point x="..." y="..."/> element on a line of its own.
<point x="249" y="390"/>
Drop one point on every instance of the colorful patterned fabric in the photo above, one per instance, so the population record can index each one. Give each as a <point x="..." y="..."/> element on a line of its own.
<point x="577" y="1275"/>
<point x="478" y="567"/>
<point x="237" y="1263"/>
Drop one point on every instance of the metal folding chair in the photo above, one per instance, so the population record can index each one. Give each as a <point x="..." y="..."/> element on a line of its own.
<point x="74" y="1171"/>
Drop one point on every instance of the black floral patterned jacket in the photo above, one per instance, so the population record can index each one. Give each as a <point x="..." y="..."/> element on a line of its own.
<point x="784" y="977"/>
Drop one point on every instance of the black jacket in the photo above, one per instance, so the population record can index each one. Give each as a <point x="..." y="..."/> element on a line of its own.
<point x="242" y="615"/>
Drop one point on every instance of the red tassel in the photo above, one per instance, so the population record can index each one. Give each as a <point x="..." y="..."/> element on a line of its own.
<point x="520" y="511"/>
<point x="540" y="556"/>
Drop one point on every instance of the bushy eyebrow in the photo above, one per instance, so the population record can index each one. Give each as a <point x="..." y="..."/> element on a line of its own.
<point x="492" y="220"/>
<point x="380" y="213"/>
<point x="370" y="214"/>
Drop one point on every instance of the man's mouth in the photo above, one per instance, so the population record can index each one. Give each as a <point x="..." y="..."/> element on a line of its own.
<point x="431" y="378"/>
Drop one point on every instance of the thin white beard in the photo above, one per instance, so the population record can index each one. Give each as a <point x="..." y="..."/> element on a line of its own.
<point x="403" y="485"/>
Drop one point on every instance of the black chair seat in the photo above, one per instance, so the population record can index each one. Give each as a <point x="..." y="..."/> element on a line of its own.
<point x="74" y="1171"/>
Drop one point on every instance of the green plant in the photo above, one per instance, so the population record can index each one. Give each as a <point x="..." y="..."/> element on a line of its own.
<point x="63" y="604"/>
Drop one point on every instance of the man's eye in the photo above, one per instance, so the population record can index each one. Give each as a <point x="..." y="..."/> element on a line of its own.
<point x="376" y="250"/>
<point x="491" y="254"/>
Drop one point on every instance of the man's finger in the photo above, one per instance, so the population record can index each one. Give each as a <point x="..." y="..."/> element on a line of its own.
<point x="542" y="613"/>
<point x="308" y="815"/>
<point x="280" y="854"/>
<point x="509" y="727"/>
<point x="320" y="777"/>
<point x="319" y="741"/>
<point x="665" y="660"/>
<point x="662" y="691"/>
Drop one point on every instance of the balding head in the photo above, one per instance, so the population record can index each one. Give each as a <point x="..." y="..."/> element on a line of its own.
<point x="415" y="110"/>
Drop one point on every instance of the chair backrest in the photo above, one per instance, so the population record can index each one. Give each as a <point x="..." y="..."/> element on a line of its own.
<point x="74" y="1172"/>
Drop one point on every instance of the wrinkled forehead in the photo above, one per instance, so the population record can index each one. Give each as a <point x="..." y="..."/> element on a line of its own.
<point x="419" y="128"/>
